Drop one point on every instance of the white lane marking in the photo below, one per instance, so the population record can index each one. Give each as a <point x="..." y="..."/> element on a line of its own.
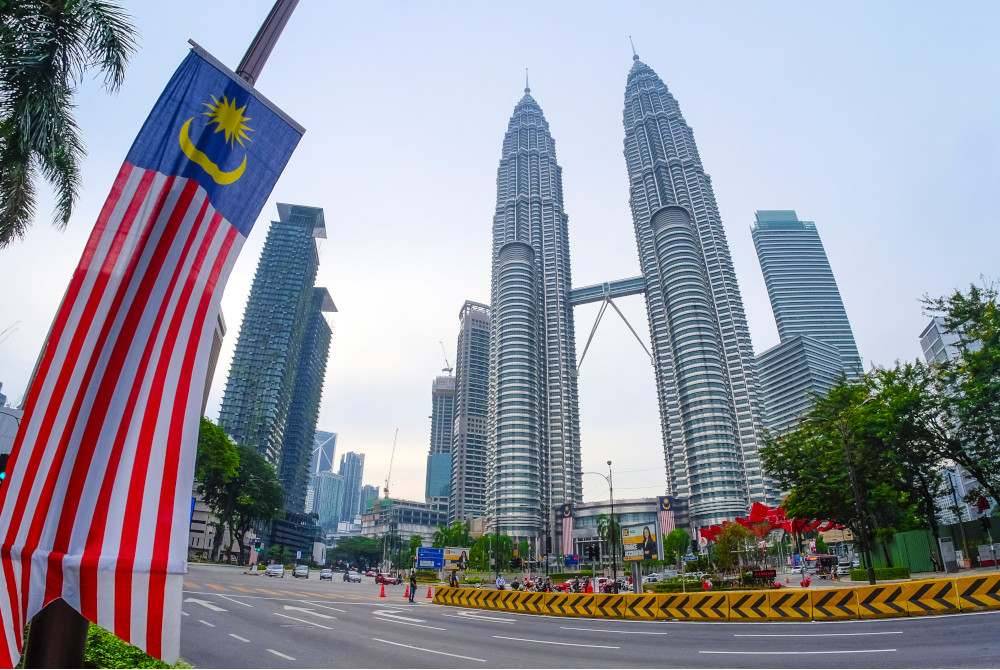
<point x="279" y="654"/>
<point x="305" y="621"/>
<point x="238" y="637"/>
<point x="234" y="600"/>
<point x="386" y="619"/>
<point x="874" y="632"/>
<point x="561" y="644"/>
<point x="326" y="607"/>
<point x="373" y="603"/>
<point x="206" y="604"/>
<point x="394" y="614"/>
<point x="185" y="613"/>
<point x="210" y="625"/>
<point x="430" y="651"/>
<point x="479" y="618"/>
<point x="786" y="653"/>
<point x="306" y="610"/>
<point x="616" y="632"/>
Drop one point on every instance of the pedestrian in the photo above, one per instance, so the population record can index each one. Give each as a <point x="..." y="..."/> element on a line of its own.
<point x="500" y="582"/>
<point x="413" y="584"/>
<point x="453" y="582"/>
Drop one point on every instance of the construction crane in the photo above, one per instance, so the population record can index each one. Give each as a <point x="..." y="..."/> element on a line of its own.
<point x="447" y="366"/>
<point x="392" y="457"/>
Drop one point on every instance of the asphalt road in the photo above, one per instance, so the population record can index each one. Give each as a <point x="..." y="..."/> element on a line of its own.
<point x="236" y="620"/>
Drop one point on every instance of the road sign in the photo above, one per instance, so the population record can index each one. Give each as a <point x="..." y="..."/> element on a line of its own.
<point x="689" y="557"/>
<point x="430" y="557"/>
<point x="572" y="559"/>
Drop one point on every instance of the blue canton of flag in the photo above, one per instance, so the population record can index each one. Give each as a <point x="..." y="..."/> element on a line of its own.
<point x="97" y="504"/>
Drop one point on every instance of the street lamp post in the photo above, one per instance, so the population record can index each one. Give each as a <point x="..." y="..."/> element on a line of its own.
<point x="612" y="542"/>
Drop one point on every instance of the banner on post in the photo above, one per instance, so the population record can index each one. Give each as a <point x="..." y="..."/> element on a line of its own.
<point x="96" y="505"/>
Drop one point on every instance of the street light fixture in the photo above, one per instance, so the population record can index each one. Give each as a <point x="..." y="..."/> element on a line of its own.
<point x="612" y="542"/>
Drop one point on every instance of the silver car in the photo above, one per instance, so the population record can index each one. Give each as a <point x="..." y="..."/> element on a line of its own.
<point x="275" y="570"/>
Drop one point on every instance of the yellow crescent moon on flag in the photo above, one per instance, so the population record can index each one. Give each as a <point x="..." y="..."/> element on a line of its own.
<point x="199" y="158"/>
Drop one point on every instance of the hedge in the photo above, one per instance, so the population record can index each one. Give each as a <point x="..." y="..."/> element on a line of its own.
<point x="104" y="650"/>
<point x="861" y="574"/>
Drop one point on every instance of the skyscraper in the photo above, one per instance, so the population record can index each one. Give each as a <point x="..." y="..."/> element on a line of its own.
<point x="329" y="499"/>
<point x="266" y="359"/>
<point x="303" y="411"/>
<point x="817" y="345"/>
<point x="800" y="284"/>
<point x="534" y="435"/>
<point x="352" y="469"/>
<point x="438" y="477"/>
<point x="939" y="344"/>
<point x="324" y="450"/>
<point x="704" y="362"/>
<point x="467" y="497"/>
<point x="369" y="493"/>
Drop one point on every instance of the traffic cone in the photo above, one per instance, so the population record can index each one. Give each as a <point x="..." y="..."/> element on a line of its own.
<point x="430" y="593"/>
<point x="381" y="593"/>
<point x="406" y="595"/>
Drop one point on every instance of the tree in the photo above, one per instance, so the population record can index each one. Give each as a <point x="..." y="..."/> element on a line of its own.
<point x="216" y="464"/>
<point x="455" y="535"/>
<point x="256" y="494"/>
<point x="480" y="552"/>
<point x="415" y="543"/>
<point x="731" y="542"/>
<point x="969" y="387"/>
<point x="675" y="545"/>
<point x="609" y="530"/>
<point x="361" y="551"/>
<point x="46" y="47"/>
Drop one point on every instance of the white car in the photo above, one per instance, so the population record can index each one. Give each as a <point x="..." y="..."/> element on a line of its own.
<point x="352" y="576"/>
<point x="275" y="570"/>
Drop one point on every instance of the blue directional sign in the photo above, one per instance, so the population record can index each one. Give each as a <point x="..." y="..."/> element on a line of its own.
<point x="430" y="557"/>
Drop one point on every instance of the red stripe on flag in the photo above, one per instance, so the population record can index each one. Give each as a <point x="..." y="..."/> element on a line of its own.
<point x="137" y="484"/>
<point x="97" y="416"/>
<point x="26" y="483"/>
<point x="168" y="488"/>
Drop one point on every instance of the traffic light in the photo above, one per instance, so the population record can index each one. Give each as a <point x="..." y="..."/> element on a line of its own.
<point x="3" y="468"/>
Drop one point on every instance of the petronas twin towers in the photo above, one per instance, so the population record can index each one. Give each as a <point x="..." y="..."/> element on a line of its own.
<point x="703" y="359"/>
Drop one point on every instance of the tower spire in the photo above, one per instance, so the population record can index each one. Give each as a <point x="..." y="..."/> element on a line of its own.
<point x="635" y="56"/>
<point x="527" y="89"/>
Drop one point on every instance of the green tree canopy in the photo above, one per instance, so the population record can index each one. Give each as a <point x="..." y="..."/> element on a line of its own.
<point x="216" y="464"/>
<point x="733" y="541"/>
<point x="46" y="48"/>
<point x="356" y="550"/>
<point x="675" y="545"/>
<point x="256" y="493"/>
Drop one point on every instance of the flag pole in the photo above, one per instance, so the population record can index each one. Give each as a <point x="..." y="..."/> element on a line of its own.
<point x="58" y="634"/>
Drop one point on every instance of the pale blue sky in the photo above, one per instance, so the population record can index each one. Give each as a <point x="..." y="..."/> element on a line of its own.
<point x="879" y="121"/>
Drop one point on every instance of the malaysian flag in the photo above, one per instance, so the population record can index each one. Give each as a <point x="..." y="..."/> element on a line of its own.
<point x="664" y="521"/>
<point x="95" y="509"/>
<point x="566" y="515"/>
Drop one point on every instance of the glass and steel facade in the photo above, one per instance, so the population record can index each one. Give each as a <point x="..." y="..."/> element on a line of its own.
<point x="703" y="357"/>
<point x="438" y="475"/>
<point x="800" y="284"/>
<point x="534" y="442"/>
<point x="467" y="494"/>
<point x="324" y="451"/>
<point x="328" y="501"/>
<point x="276" y="378"/>
<point x="792" y="374"/>
<point x="352" y="469"/>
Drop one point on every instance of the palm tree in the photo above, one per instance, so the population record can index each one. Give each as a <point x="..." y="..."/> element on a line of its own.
<point x="46" y="46"/>
<point x="609" y="531"/>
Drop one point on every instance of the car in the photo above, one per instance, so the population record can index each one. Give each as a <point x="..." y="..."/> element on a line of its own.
<point x="565" y="587"/>
<point x="369" y="573"/>
<point x="326" y="573"/>
<point x="301" y="571"/>
<point x="275" y="570"/>
<point x="352" y="576"/>
<point x="382" y="578"/>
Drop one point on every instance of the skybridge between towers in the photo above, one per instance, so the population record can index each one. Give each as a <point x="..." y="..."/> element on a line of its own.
<point x="605" y="293"/>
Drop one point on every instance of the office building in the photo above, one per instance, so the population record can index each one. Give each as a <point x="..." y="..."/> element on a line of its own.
<point x="3" y="398"/>
<point x="303" y="411"/>
<point x="266" y="358"/>
<point x="800" y="284"/>
<point x="324" y="451"/>
<point x="328" y="501"/>
<point x="703" y="357"/>
<point x="399" y="520"/>
<point x="939" y="344"/>
<point x="352" y="469"/>
<point x="438" y="482"/>
<point x="369" y="493"/>
<point x="467" y="495"/>
<point x="791" y="374"/>
<point x="533" y="424"/>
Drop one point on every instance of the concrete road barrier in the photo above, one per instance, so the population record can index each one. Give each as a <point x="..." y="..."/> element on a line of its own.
<point x="895" y="599"/>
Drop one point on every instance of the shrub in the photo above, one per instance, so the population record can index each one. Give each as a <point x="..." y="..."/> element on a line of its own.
<point x="861" y="574"/>
<point x="104" y="650"/>
<point x="427" y="576"/>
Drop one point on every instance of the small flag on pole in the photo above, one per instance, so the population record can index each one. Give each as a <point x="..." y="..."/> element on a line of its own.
<point x="96" y="506"/>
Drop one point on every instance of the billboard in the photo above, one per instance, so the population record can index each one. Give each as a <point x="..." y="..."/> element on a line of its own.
<point x="639" y="543"/>
<point x="456" y="558"/>
<point x="430" y="557"/>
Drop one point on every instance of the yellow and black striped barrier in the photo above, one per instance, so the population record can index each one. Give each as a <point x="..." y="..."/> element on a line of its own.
<point x="893" y="599"/>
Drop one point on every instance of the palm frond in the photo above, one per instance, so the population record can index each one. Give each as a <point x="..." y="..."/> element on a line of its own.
<point x="17" y="191"/>
<point x="111" y="38"/>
